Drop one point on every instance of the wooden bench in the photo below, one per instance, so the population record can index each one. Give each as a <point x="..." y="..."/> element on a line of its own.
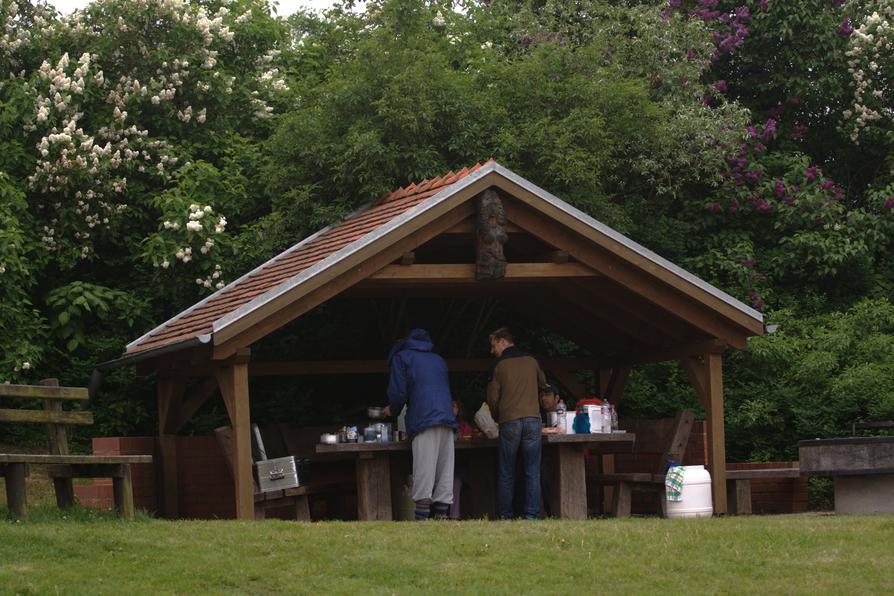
<point x="665" y="438"/>
<point x="738" y="486"/>
<point x="62" y="467"/>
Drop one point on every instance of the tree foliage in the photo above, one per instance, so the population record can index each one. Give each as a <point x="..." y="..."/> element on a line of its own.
<point x="152" y="150"/>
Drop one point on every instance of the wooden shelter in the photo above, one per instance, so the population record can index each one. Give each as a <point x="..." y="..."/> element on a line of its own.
<point x="484" y="231"/>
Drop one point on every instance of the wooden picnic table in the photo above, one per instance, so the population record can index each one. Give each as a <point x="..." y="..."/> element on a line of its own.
<point x="568" y="481"/>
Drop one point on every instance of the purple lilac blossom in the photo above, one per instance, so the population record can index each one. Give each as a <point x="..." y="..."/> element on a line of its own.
<point x="779" y="188"/>
<point x="846" y="29"/>
<point x="811" y="173"/>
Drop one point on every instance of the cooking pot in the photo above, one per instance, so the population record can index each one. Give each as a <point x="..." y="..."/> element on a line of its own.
<point x="375" y="412"/>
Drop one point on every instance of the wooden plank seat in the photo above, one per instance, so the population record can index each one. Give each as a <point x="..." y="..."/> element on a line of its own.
<point x="666" y="438"/>
<point x="62" y="466"/>
<point x="738" y="486"/>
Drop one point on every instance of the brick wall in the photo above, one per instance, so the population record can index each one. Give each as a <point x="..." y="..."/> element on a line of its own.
<point x="99" y="493"/>
<point x="204" y="482"/>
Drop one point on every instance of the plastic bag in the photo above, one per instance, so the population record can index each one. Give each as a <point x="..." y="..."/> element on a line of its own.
<point x="485" y="421"/>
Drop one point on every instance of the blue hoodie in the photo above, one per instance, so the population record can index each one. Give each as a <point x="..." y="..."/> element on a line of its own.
<point x="419" y="379"/>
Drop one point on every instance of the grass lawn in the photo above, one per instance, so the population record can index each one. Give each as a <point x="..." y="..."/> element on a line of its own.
<point x="87" y="552"/>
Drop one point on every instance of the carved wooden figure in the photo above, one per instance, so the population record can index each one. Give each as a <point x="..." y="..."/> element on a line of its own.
<point x="491" y="262"/>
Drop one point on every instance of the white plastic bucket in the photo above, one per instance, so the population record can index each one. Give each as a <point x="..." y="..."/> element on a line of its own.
<point x="696" y="495"/>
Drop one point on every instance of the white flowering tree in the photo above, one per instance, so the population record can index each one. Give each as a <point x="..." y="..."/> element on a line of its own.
<point x="130" y="133"/>
<point x="870" y="120"/>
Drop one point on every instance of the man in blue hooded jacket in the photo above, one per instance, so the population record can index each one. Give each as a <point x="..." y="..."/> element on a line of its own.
<point x="419" y="379"/>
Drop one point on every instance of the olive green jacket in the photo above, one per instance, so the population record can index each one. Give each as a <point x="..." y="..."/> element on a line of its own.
<point x="513" y="391"/>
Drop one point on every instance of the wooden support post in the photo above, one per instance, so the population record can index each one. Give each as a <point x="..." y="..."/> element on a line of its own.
<point x="122" y="491"/>
<point x="170" y="393"/>
<point x="58" y="440"/>
<point x="696" y="373"/>
<point x="16" y="497"/>
<point x="233" y="382"/>
<point x="716" y="434"/>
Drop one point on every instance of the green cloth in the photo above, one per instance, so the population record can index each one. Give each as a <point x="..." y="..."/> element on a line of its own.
<point x="673" y="484"/>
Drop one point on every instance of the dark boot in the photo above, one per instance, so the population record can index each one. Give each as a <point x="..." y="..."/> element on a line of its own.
<point x="440" y="510"/>
<point x="423" y="509"/>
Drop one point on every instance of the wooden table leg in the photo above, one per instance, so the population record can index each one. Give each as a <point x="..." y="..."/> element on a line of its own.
<point x="738" y="496"/>
<point x="64" y="492"/>
<point x="621" y="500"/>
<point x="570" y="486"/>
<point x="16" y="498"/>
<point x="374" y="487"/>
<point x="122" y="490"/>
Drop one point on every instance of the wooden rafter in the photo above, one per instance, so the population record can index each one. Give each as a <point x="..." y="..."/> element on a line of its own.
<point x="286" y="307"/>
<point x="623" y="325"/>
<point x="637" y="280"/>
<point x="611" y="247"/>
<point x="648" y="313"/>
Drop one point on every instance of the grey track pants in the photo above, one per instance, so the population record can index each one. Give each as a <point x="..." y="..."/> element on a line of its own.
<point x="433" y="465"/>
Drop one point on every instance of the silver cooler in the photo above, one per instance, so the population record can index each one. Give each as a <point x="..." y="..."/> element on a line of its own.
<point x="277" y="474"/>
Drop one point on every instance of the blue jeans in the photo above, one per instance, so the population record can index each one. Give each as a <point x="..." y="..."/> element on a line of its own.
<point x="519" y="437"/>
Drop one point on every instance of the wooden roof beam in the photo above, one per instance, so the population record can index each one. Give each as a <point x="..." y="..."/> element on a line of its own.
<point x="380" y="366"/>
<point x="462" y="273"/>
<point x="470" y="226"/>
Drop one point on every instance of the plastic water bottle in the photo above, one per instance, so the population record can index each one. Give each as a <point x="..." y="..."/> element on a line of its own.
<point x="606" y="417"/>
<point x="561" y="412"/>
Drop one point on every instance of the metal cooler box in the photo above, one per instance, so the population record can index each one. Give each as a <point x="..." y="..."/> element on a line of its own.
<point x="277" y="474"/>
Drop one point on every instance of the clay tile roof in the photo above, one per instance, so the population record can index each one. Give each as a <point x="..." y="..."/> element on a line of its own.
<point x="198" y="320"/>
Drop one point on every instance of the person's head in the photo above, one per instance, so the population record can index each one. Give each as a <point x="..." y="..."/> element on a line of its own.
<point x="457" y="409"/>
<point x="419" y="334"/>
<point x="549" y="398"/>
<point x="500" y="340"/>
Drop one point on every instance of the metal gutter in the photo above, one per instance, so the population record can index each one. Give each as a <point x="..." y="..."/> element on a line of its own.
<point x="135" y="357"/>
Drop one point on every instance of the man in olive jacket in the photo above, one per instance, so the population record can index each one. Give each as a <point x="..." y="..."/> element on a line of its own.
<point x="513" y="396"/>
